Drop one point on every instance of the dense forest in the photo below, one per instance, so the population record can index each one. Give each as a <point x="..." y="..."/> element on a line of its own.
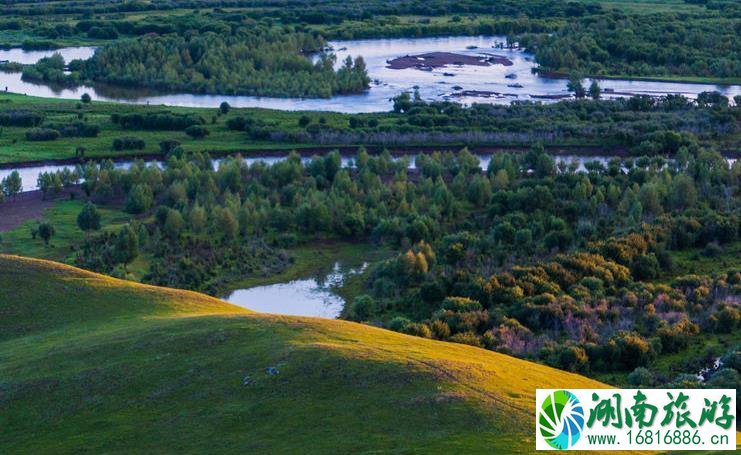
<point x="649" y="45"/>
<point x="529" y="258"/>
<point x="259" y="48"/>
<point x="263" y="61"/>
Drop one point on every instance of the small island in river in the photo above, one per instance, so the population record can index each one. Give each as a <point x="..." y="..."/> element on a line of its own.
<point x="430" y="60"/>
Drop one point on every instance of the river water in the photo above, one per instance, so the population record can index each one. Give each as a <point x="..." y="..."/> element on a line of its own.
<point x="438" y="84"/>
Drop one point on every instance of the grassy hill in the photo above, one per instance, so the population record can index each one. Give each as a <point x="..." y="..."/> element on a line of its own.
<point x="92" y="362"/>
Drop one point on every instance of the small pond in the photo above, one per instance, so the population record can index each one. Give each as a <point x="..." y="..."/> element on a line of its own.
<point x="310" y="296"/>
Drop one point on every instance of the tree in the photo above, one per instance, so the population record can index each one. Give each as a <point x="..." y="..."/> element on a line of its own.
<point x="594" y="90"/>
<point x="12" y="184"/>
<point x="576" y="85"/>
<point x="85" y="98"/>
<point x="362" y="308"/>
<point x="89" y="219"/>
<point x="228" y="224"/>
<point x="127" y="245"/>
<point x="46" y="231"/>
<point x="174" y="223"/>
<point x="224" y="107"/>
<point x="140" y="199"/>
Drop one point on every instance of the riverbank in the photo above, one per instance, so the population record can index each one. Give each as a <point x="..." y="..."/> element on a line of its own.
<point x="382" y="56"/>
<point x="724" y="81"/>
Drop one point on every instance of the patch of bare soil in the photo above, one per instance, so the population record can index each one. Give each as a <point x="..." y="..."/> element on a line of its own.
<point x="26" y="206"/>
<point x="430" y="60"/>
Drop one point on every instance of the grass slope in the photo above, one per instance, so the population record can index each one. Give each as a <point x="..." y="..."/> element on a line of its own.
<point x="87" y="361"/>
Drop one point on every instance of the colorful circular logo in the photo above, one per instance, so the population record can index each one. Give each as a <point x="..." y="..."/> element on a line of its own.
<point x="561" y="419"/>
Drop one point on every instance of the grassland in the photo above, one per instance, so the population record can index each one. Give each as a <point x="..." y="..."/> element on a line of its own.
<point x="14" y="147"/>
<point x="695" y="261"/>
<point x="63" y="216"/>
<point x="106" y="365"/>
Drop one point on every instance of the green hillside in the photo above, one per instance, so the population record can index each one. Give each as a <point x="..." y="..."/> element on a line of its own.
<point x="108" y="365"/>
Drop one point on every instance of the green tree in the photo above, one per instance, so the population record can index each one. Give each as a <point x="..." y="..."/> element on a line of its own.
<point x="174" y="224"/>
<point x="140" y="199"/>
<point x="227" y="224"/>
<point x="594" y="90"/>
<point x="12" y="185"/>
<point x="46" y="232"/>
<point x="576" y="85"/>
<point x="224" y="107"/>
<point x="127" y="245"/>
<point x="88" y="219"/>
<point x="85" y="98"/>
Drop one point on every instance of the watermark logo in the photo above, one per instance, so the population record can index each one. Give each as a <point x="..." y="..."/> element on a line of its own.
<point x="635" y="419"/>
<point x="561" y="419"/>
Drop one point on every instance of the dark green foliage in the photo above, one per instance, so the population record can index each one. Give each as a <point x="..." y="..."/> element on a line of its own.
<point x="46" y="231"/>
<point x="21" y="118"/>
<point x="128" y="143"/>
<point x="140" y="199"/>
<point x="157" y="121"/>
<point x="197" y="131"/>
<point x="248" y="61"/>
<point x="89" y="219"/>
<point x="705" y="44"/>
<point x="42" y="134"/>
<point x="11" y="185"/>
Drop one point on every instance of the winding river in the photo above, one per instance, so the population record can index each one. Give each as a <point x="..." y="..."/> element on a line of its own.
<point x="438" y="84"/>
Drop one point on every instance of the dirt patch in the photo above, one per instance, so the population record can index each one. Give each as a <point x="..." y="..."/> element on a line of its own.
<point x="431" y="60"/>
<point x="26" y="206"/>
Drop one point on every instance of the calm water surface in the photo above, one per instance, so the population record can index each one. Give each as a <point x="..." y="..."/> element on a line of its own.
<point x="310" y="296"/>
<point x="387" y="83"/>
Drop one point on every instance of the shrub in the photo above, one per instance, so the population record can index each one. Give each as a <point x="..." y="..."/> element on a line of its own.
<point x="461" y="304"/>
<point x="712" y="249"/>
<point x="362" y="308"/>
<point x="42" y="134"/>
<point x="417" y="329"/>
<point x="157" y="121"/>
<point x="440" y="330"/>
<point x="641" y="377"/>
<point x="469" y="338"/>
<point x="572" y="358"/>
<point x="168" y="146"/>
<point x="128" y="143"/>
<point x="21" y="118"/>
<point x="197" y="131"/>
<point x="398" y="323"/>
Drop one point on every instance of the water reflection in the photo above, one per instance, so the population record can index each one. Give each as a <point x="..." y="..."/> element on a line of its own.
<point x="439" y="84"/>
<point x="312" y="296"/>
